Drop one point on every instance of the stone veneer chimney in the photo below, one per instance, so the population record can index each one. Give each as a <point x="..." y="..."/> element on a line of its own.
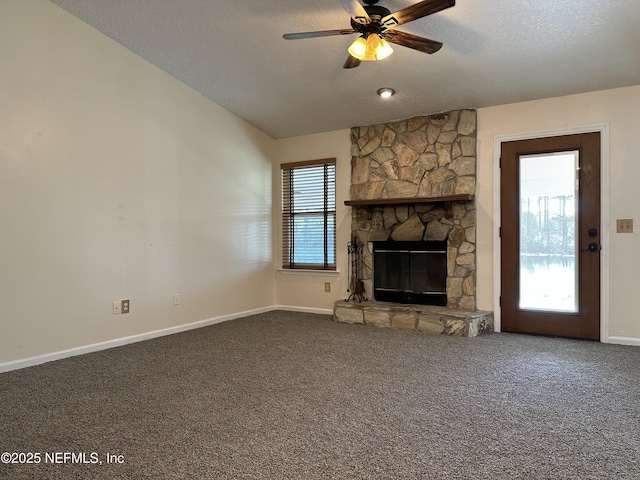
<point x="428" y="156"/>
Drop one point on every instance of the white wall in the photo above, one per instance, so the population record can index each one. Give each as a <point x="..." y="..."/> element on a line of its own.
<point x="619" y="108"/>
<point x="300" y="289"/>
<point x="117" y="181"/>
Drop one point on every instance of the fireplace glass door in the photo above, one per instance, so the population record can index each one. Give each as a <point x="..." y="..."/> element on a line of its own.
<point x="410" y="272"/>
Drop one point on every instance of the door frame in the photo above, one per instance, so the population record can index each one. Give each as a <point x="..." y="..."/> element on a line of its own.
<point x="603" y="129"/>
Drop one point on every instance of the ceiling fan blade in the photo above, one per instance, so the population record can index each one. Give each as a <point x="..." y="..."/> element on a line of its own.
<point x="351" y="62"/>
<point x="412" y="41"/>
<point x="357" y="11"/>
<point x="320" y="33"/>
<point x="413" y="12"/>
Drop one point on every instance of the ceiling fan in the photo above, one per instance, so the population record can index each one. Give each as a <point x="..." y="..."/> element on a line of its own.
<point x="373" y="23"/>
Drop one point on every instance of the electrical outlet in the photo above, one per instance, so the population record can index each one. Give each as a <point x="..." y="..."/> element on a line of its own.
<point x="176" y="299"/>
<point x="624" y="225"/>
<point x="115" y="309"/>
<point x="124" y="306"/>
<point x="327" y="286"/>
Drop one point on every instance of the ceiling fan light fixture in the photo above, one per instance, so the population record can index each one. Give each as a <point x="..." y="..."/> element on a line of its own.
<point x="372" y="22"/>
<point x="358" y="49"/>
<point x="374" y="47"/>
<point x="378" y="46"/>
<point x="386" y="92"/>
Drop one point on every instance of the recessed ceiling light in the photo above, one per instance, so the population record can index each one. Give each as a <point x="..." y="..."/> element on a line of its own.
<point x="386" y="92"/>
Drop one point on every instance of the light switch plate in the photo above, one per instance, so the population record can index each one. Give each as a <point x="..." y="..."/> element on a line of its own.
<point x="624" y="225"/>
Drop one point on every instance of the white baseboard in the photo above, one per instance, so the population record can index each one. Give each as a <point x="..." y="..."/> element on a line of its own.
<point x="118" y="342"/>
<point x="623" y="341"/>
<point x="293" y="308"/>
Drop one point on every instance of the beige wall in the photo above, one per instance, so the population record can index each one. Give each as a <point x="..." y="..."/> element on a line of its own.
<point x="299" y="289"/>
<point x="619" y="110"/>
<point x="112" y="174"/>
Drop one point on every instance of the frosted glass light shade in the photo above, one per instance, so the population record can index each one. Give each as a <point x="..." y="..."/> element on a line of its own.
<point x="358" y="48"/>
<point x="373" y="48"/>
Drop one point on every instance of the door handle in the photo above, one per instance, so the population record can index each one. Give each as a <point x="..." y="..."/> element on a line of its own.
<point x="592" y="247"/>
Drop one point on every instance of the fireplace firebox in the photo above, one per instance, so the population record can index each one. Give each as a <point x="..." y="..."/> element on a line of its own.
<point x="410" y="272"/>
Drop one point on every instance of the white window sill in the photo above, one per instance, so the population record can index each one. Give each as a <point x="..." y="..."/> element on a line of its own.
<point x="300" y="271"/>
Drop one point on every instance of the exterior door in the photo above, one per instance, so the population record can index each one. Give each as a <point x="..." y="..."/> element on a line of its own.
<point x="550" y="236"/>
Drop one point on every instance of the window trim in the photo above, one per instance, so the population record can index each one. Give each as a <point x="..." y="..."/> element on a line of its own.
<point x="287" y="215"/>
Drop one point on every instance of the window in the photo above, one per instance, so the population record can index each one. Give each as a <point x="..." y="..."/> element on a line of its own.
<point x="309" y="215"/>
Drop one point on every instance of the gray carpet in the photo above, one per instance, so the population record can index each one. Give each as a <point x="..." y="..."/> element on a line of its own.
<point x="291" y="395"/>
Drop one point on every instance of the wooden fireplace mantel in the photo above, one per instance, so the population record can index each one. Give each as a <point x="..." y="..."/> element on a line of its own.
<point x="463" y="197"/>
<point x="380" y="202"/>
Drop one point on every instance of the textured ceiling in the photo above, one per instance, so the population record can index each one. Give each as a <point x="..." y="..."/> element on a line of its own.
<point x="495" y="52"/>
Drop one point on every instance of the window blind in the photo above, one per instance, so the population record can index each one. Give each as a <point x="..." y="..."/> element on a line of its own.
<point x="309" y="215"/>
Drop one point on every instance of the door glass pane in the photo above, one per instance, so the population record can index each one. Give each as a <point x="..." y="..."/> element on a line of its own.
<point x="548" y="226"/>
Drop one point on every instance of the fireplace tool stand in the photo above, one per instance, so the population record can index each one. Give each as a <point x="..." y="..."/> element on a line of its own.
<point x="354" y="265"/>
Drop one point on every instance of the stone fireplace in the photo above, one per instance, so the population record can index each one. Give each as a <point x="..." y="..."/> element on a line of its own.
<point x="414" y="181"/>
<point x="418" y="159"/>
